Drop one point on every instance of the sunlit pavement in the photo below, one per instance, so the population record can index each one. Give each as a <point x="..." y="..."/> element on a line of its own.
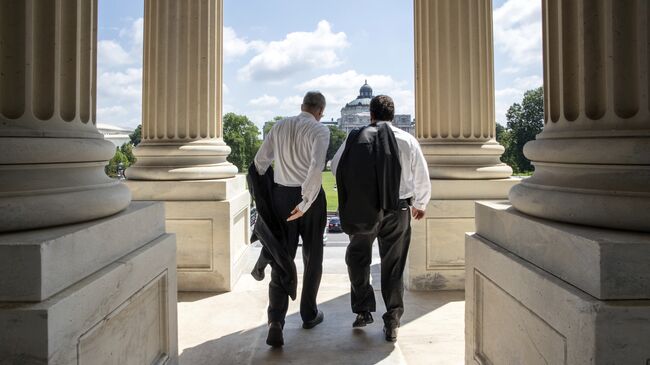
<point x="231" y="328"/>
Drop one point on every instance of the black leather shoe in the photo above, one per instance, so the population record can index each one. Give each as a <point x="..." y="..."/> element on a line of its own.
<point x="314" y="322"/>
<point x="275" y="337"/>
<point x="363" y="319"/>
<point x="390" y="333"/>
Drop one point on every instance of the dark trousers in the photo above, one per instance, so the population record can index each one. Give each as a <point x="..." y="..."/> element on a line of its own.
<point x="394" y="237"/>
<point x="310" y="227"/>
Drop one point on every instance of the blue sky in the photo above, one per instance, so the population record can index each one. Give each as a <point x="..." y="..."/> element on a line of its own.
<point x="275" y="50"/>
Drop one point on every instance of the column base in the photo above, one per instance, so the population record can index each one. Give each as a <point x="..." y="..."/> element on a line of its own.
<point x="178" y="160"/>
<point x="49" y="182"/>
<point x="436" y="258"/>
<point x="123" y="313"/>
<point x="465" y="160"/>
<point x="211" y="220"/>
<point x="517" y="312"/>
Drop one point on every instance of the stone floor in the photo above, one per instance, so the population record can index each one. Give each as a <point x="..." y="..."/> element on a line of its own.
<point x="231" y="328"/>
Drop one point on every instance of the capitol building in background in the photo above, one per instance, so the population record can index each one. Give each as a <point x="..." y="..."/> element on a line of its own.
<point x="356" y="113"/>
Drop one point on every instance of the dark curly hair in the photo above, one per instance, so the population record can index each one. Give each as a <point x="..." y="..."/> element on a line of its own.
<point x="382" y="108"/>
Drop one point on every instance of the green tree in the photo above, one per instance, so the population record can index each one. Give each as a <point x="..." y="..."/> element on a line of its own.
<point x="242" y="136"/>
<point x="337" y="137"/>
<point x="136" y="136"/>
<point x="268" y="125"/>
<point x="525" y="121"/>
<point x="123" y="155"/>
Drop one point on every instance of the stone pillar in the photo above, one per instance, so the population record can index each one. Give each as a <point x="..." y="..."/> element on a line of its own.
<point x="455" y="125"/>
<point x="181" y="96"/>
<point x="455" y="90"/>
<point x="182" y="157"/>
<point x="52" y="157"/>
<point x="84" y="274"/>
<point x="592" y="160"/>
<point x="569" y="265"/>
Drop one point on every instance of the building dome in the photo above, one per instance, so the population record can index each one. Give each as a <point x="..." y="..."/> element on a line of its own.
<point x="365" y="91"/>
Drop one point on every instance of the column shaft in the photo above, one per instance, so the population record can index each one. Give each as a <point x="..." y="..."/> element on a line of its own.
<point x="182" y="82"/>
<point x="52" y="156"/>
<point x="592" y="160"/>
<point x="454" y="89"/>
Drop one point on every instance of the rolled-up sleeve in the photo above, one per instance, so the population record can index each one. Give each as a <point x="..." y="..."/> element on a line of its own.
<point x="312" y="185"/>
<point x="421" y="182"/>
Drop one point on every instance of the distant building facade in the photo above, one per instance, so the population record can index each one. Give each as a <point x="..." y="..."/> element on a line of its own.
<point x="356" y="113"/>
<point x="117" y="135"/>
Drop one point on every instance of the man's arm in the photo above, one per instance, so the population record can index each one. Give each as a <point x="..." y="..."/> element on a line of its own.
<point x="421" y="181"/>
<point x="264" y="156"/>
<point x="312" y="185"/>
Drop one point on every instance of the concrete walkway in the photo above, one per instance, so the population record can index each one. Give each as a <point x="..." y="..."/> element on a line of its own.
<point x="231" y="328"/>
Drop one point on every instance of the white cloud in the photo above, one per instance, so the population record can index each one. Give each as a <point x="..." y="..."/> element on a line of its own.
<point x="264" y="101"/>
<point x="518" y="30"/>
<point x="110" y="53"/>
<point x="299" y="50"/>
<point x="234" y="47"/>
<point x="135" y="33"/>
<point x="342" y="88"/>
<point x="119" y="97"/>
<point x="507" y="96"/>
<point x="291" y="105"/>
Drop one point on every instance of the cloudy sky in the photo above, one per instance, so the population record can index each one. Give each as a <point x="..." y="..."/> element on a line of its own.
<point x="275" y="50"/>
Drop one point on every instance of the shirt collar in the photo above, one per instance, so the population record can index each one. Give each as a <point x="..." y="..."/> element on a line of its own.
<point x="308" y="116"/>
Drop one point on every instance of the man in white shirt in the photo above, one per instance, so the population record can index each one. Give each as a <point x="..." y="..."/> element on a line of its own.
<point x="298" y="145"/>
<point x="393" y="231"/>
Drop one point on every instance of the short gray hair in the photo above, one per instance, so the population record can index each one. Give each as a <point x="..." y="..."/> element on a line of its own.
<point x="314" y="100"/>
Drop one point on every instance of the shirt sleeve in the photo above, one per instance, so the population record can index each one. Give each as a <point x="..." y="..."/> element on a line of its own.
<point x="337" y="157"/>
<point x="421" y="181"/>
<point x="264" y="156"/>
<point x="312" y="185"/>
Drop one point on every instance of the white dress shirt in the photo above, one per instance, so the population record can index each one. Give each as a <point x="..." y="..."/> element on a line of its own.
<point x="298" y="145"/>
<point x="414" y="182"/>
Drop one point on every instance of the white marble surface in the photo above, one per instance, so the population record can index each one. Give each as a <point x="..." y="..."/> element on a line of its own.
<point x="607" y="264"/>
<point x="517" y="313"/>
<point x="231" y="328"/>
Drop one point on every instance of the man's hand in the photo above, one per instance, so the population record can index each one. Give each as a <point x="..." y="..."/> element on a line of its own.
<point x="295" y="214"/>
<point x="417" y="213"/>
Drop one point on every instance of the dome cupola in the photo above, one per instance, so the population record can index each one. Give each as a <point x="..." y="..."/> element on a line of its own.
<point x="365" y="91"/>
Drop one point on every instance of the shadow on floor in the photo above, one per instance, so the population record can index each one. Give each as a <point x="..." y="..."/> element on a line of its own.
<point x="332" y="342"/>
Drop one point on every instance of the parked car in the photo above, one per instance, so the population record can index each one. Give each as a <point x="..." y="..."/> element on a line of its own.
<point x="334" y="225"/>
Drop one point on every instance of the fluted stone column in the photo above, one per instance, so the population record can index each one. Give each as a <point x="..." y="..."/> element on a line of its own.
<point x="455" y="125"/>
<point x="85" y="275"/>
<point x="181" y="112"/>
<point x="592" y="160"/>
<point x="52" y="156"/>
<point x="564" y="277"/>
<point x="182" y="157"/>
<point x="455" y="89"/>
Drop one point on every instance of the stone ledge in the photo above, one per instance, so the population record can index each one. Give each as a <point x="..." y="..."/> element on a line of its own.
<point x="517" y="311"/>
<point x="494" y="189"/>
<point x="37" y="264"/>
<point x="195" y="190"/>
<point x="607" y="264"/>
<point x="127" y="310"/>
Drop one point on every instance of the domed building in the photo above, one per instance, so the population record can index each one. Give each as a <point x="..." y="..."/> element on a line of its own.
<point x="356" y="113"/>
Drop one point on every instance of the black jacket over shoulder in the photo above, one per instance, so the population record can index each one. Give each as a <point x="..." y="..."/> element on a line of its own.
<point x="368" y="178"/>
<point x="268" y="229"/>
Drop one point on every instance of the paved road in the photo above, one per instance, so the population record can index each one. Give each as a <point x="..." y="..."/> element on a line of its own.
<point x="337" y="240"/>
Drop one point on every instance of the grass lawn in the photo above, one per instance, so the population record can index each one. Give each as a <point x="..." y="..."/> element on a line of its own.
<point x="329" y="181"/>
